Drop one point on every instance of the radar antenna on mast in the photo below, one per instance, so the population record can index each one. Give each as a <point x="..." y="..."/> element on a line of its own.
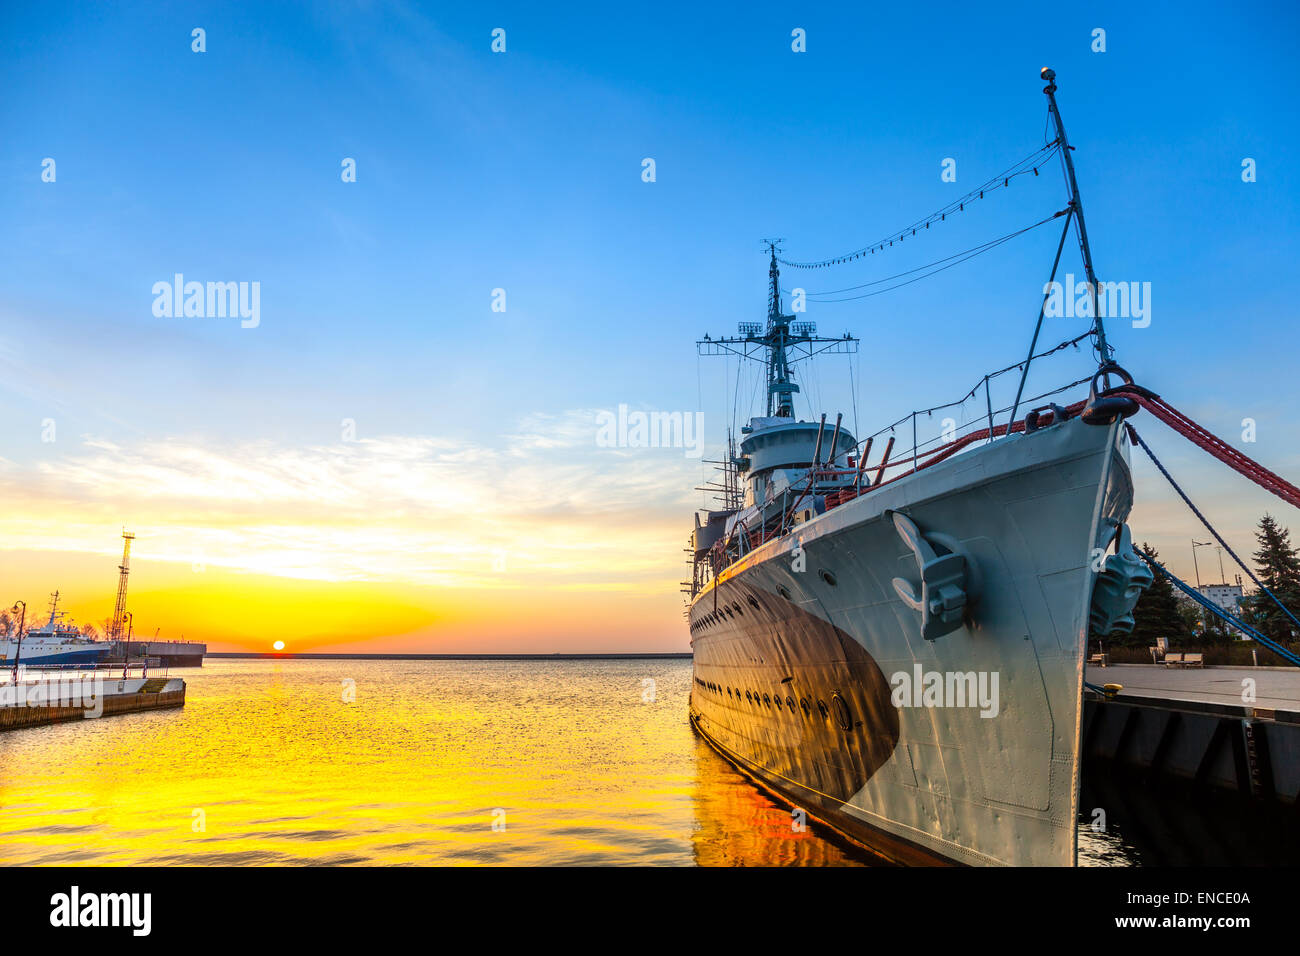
<point x="779" y="344"/>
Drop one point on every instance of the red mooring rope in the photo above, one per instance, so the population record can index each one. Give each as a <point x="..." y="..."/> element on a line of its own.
<point x="1215" y="446"/>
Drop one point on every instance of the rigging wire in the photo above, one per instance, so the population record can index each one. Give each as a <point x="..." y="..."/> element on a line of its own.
<point x="953" y="260"/>
<point x="853" y="394"/>
<point x="735" y="402"/>
<point x="704" y="469"/>
<point x="1208" y="527"/>
<point x="992" y="375"/>
<point x="1001" y="180"/>
<point x="898" y="275"/>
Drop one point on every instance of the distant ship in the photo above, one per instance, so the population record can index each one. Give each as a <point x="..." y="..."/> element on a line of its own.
<point x="54" y="644"/>
<point x="903" y="658"/>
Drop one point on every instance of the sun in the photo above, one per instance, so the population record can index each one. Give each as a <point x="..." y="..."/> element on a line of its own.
<point x="278" y="645"/>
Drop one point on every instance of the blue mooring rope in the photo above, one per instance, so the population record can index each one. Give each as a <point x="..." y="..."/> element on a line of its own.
<point x="1217" y="537"/>
<point x="1215" y="609"/>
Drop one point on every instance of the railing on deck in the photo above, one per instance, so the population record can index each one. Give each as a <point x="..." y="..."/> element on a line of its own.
<point x="867" y="476"/>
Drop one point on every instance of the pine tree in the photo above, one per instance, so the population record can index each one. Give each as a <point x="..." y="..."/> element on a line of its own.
<point x="1156" y="614"/>
<point x="1278" y="567"/>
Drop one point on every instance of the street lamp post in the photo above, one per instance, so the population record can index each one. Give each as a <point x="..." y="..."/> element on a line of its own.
<point x="22" y="623"/>
<point x="1199" y="544"/>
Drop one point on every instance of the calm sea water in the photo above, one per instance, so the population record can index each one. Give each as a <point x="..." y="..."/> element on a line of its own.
<point x="574" y="762"/>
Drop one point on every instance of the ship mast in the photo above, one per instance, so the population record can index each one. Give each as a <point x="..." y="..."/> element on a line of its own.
<point x="54" y="610"/>
<point x="780" y="390"/>
<point x="1076" y="203"/>
<point x="775" y="343"/>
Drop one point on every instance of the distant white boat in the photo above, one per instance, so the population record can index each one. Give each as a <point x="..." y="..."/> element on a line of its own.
<point x="54" y="644"/>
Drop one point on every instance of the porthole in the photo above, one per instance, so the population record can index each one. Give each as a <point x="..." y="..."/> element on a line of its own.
<point x="747" y="697"/>
<point x="821" y="709"/>
<point x="782" y="590"/>
<point x="807" y="708"/>
<point x="827" y="577"/>
<point x="842" y="715"/>
<point x="777" y="701"/>
<point x="789" y="702"/>
<point x="767" y="700"/>
<point x="753" y="602"/>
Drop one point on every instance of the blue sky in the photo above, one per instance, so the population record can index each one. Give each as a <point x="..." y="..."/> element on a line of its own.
<point x="522" y="171"/>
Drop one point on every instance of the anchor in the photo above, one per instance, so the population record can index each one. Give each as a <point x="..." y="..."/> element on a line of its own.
<point x="1120" y="582"/>
<point x="943" y="598"/>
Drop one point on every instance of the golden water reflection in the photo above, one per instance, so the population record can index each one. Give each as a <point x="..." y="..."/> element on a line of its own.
<point x="447" y="762"/>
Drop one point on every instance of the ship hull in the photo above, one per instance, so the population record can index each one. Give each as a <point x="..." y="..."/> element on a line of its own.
<point x="812" y="676"/>
<point x="35" y="655"/>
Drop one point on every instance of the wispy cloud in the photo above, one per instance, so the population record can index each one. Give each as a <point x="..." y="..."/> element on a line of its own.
<point x="540" y="507"/>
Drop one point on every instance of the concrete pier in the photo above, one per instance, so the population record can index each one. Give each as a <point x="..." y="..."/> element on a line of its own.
<point x="1276" y="687"/>
<point x="1228" y="728"/>
<point x="73" y="695"/>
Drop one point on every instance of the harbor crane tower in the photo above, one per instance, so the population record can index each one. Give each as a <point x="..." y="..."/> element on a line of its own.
<point x="119" y="609"/>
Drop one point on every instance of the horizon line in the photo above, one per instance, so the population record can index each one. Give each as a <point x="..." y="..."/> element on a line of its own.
<point x="281" y="655"/>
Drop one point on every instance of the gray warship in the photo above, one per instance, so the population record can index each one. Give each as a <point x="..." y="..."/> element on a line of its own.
<point x="898" y="648"/>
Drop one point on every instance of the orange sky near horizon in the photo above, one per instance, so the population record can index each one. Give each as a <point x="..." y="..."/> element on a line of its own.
<point x="239" y="611"/>
<point x="386" y="544"/>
